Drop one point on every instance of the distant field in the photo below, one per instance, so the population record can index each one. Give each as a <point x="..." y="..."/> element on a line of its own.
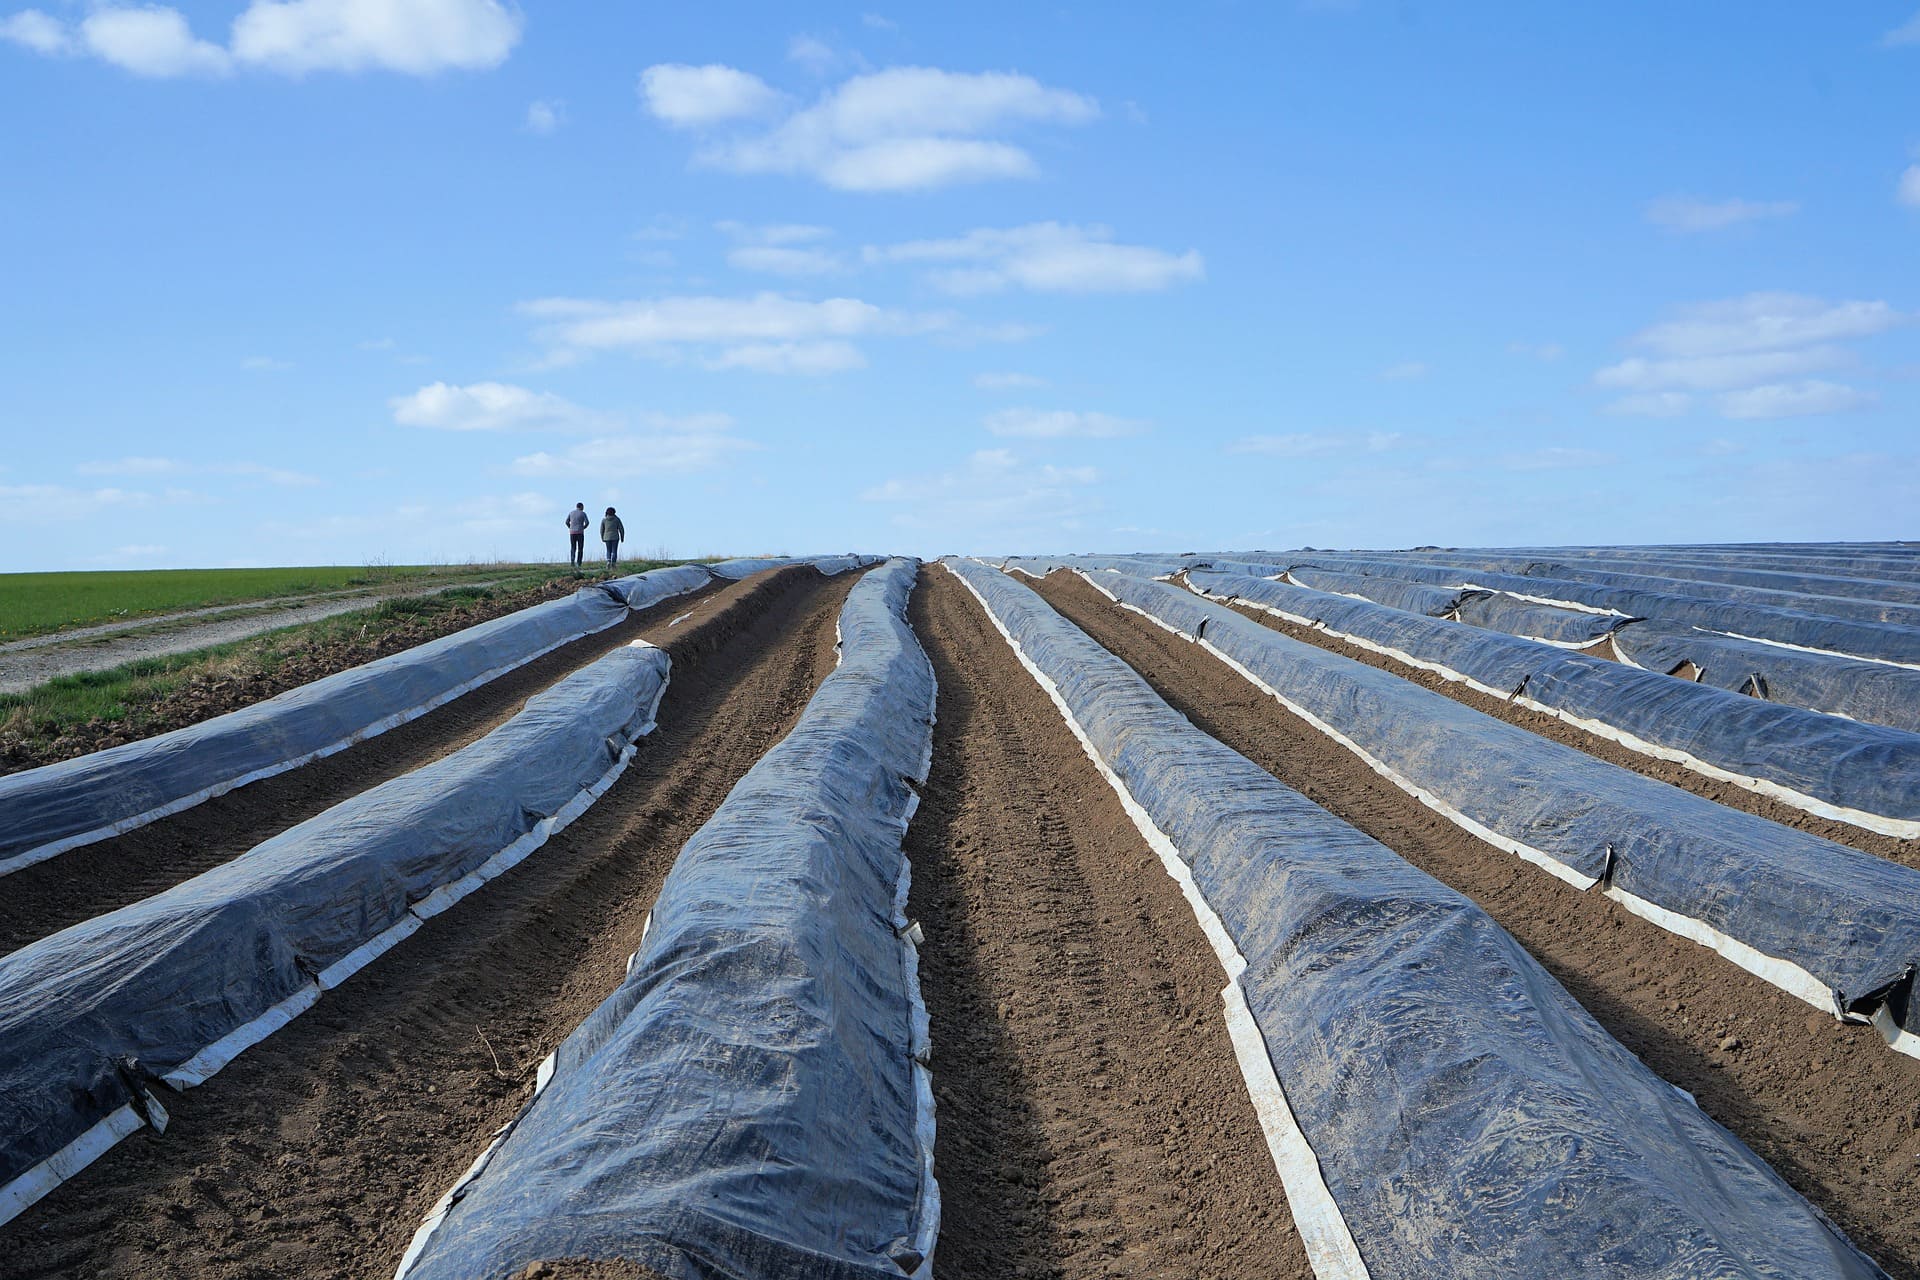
<point x="37" y="603"/>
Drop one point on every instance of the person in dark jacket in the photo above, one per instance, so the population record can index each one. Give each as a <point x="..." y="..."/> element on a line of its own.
<point x="613" y="533"/>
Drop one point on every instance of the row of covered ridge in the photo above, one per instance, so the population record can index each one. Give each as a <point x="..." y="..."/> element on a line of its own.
<point x="96" y="1018"/>
<point x="754" y="1099"/>
<point x="107" y="793"/>
<point x="1436" y="1103"/>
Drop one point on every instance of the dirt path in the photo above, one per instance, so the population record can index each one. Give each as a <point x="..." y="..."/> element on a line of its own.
<point x="27" y="663"/>
<point x="1829" y="1106"/>
<point x="1092" y="1120"/>
<point x="1667" y="771"/>
<point x="316" y="1153"/>
<point x="43" y="899"/>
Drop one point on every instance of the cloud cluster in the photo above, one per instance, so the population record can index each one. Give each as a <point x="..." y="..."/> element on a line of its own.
<point x="150" y="466"/>
<point x="1043" y="257"/>
<point x="765" y="333"/>
<point x="902" y="129"/>
<point x="1754" y="355"/>
<point x="1909" y="189"/>
<point x="292" y="37"/>
<point x="1316" y="444"/>
<point x="1690" y="214"/>
<point x="1061" y="424"/>
<point x="782" y="250"/>
<point x="995" y="494"/>
<point x="490" y="406"/>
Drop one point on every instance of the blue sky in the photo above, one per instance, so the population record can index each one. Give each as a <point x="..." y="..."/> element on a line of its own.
<point x="361" y="280"/>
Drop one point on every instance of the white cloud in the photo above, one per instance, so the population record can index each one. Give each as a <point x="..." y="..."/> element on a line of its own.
<point x="1794" y="400"/>
<point x="1406" y="371"/>
<point x="766" y="332"/>
<point x="782" y="249"/>
<point x="1765" y="322"/>
<point x="813" y="53"/>
<point x="489" y="406"/>
<point x="418" y="37"/>
<point x="152" y="41"/>
<point x="666" y="446"/>
<point x="1060" y="424"/>
<point x="1755" y="351"/>
<point x="1907" y="32"/>
<point x="1547" y="351"/>
<point x="1909" y="189"/>
<point x="691" y="97"/>
<point x="1652" y="404"/>
<point x="995" y="494"/>
<point x="1007" y="381"/>
<point x="881" y="23"/>
<point x="545" y="116"/>
<point x="902" y="129"/>
<point x="1047" y="257"/>
<point x="1688" y="213"/>
<point x="43" y="503"/>
<point x="38" y="31"/>
<point x="812" y="359"/>
<point x="266" y="364"/>
<point x="151" y="466"/>
<point x="1718" y="373"/>
<point x="1317" y="444"/>
<point x="1556" y="458"/>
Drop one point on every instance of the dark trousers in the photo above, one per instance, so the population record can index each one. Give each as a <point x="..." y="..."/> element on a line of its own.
<point x="577" y="546"/>
<point x="613" y="552"/>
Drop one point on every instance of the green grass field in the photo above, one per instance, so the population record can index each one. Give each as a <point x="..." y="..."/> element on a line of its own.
<point x="37" y="603"/>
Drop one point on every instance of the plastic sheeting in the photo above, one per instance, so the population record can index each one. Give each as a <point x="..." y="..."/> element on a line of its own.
<point x="1869" y="691"/>
<point x="62" y="806"/>
<point x="1846" y="921"/>
<point x="1395" y="593"/>
<point x="747" y="1103"/>
<point x="1864" y="774"/>
<point x="171" y="988"/>
<point x="1549" y="624"/>
<point x="1464" y="1114"/>
<point x="1868" y="599"/>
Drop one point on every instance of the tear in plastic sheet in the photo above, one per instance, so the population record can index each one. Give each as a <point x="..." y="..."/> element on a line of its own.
<point x="1871" y="691"/>
<point x="173" y="987"/>
<point x="107" y="793"/>
<point x="748" y="1102"/>
<point x="1468" y="1117"/>
<point x="1864" y="774"/>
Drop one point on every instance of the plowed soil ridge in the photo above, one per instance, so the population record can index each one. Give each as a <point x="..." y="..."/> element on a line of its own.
<point x="49" y="896"/>
<point x="1092" y="1120"/>
<point x="1671" y="772"/>
<point x="317" y="1152"/>
<point x="1826" y="1104"/>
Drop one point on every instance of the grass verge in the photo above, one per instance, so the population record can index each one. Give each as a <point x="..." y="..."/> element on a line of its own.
<point x="74" y="714"/>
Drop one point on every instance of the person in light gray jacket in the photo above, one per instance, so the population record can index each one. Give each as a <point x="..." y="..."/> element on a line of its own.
<point x="613" y="533"/>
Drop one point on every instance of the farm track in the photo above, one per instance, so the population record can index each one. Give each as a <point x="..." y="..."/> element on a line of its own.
<point x="50" y="896"/>
<point x="1092" y="1120"/>
<point x="1829" y="1106"/>
<point x="317" y="1152"/>
<point x="1892" y="848"/>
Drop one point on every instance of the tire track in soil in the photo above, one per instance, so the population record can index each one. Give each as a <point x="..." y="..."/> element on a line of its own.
<point x="81" y="883"/>
<point x="1828" y="1105"/>
<point x="318" y="1151"/>
<point x="1892" y="848"/>
<point x="1092" y="1119"/>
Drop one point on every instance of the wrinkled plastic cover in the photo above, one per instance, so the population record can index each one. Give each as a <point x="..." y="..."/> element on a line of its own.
<point x="1550" y="624"/>
<point x="1870" y="691"/>
<point x="1415" y="597"/>
<point x="744" y="1104"/>
<point x="1883" y="641"/>
<point x="90" y="1015"/>
<point x="1468" y="1116"/>
<point x="1866" y="768"/>
<point x="59" y="806"/>
<point x="1850" y="919"/>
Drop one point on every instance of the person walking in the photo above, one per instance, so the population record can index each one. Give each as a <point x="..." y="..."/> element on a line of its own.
<point x="577" y="533"/>
<point x="613" y="533"/>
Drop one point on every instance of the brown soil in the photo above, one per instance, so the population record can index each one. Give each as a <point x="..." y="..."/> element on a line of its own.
<point x="49" y="896"/>
<point x="1092" y="1120"/>
<point x="1828" y="1105"/>
<point x="587" y="1269"/>
<point x="317" y="1152"/>
<point x="1892" y="848"/>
